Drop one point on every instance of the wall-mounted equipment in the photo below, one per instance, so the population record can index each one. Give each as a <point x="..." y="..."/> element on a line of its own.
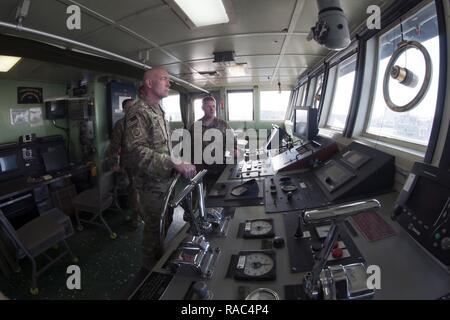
<point x="56" y="108"/>
<point x="331" y="30"/>
<point x="405" y="76"/>
<point x="117" y="93"/>
<point x="79" y="109"/>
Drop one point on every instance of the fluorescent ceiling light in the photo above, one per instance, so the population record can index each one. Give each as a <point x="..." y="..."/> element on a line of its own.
<point x="237" y="70"/>
<point x="7" y="62"/>
<point x="204" y="12"/>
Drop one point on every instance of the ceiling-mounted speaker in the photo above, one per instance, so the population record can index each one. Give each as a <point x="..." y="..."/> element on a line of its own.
<point x="224" y="57"/>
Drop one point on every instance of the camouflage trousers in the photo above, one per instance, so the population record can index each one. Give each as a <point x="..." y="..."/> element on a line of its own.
<point x="151" y="206"/>
<point x="133" y="198"/>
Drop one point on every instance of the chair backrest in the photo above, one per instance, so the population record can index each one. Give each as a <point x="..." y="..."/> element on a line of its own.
<point x="11" y="233"/>
<point x="107" y="183"/>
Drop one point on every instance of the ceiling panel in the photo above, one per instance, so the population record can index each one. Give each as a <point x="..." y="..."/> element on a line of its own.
<point x="178" y="69"/>
<point x="299" y="45"/>
<point x="298" y="61"/>
<point x="120" y="9"/>
<point x="114" y="40"/>
<point x="241" y="46"/>
<point x="261" y="61"/>
<point x="250" y="16"/>
<point x="160" y="26"/>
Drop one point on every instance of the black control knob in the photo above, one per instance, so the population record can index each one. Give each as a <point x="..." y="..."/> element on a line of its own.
<point x="328" y="180"/>
<point x="278" y="242"/>
<point x="201" y="291"/>
<point x="316" y="246"/>
<point x="299" y="232"/>
<point x="289" y="196"/>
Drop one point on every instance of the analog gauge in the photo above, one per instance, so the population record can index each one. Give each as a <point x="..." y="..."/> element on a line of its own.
<point x="258" y="264"/>
<point x="260" y="227"/>
<point x="263" y="294"/>
<point x="289" y="188"/>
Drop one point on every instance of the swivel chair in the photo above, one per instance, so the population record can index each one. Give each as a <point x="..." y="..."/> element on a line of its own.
<point x="96" y="201"/>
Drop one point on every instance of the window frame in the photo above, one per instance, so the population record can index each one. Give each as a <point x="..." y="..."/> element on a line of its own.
<point x="287" y="107"/>
<point x="332" y="86"/>
<point x="175" y="93"/>
<point x="253" y="104"/>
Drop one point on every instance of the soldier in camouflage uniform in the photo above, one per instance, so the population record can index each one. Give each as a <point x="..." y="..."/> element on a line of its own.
<point x="115" y="159"/>
<point x="210" y="121"/>
<point x="147" y="140"/>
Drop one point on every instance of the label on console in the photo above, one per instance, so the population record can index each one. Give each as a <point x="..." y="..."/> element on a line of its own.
<point x="241" y="262"/>
<point x="409" y="182"/>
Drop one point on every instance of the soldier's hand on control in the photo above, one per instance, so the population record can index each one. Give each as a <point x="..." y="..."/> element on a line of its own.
<point x="186" y="169"/>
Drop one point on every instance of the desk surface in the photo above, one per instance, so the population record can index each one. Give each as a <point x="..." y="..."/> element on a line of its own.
<point x="407" y="271"/>
<point x="21" y="185"/>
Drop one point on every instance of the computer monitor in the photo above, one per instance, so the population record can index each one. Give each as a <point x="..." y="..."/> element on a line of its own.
<point x="305" y="123"/>
<point x="55" y="109"/>
<point x="277" y="133"/>
<point x="55" y="158"/>
<point x="8" y="162"/>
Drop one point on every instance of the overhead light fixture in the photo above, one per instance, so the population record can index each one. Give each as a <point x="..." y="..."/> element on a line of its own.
<point x="204" y="12"/>
<point x="7" y="62"/>
<point x="237" y="70"/>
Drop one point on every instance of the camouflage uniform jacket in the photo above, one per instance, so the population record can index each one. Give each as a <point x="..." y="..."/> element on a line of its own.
<point x="148" y="146"/>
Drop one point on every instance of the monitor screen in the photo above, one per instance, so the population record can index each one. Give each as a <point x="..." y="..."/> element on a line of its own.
<point x="427" y="200"/>
<point x="55" y="158"/>
<point x="301" y="123"/>
<point x="55" y="109"/>
<point x="305" y="126"/>
<point x="8" y="162"/>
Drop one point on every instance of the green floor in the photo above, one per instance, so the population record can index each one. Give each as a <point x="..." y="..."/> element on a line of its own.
<point x="106" y="265"/>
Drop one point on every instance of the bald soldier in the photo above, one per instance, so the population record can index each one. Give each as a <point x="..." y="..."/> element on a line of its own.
<point x="148" y="145"/>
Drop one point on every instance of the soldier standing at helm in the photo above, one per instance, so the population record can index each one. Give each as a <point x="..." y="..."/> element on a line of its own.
<point x="148" y="145"/>
<point x="116" y="158"/>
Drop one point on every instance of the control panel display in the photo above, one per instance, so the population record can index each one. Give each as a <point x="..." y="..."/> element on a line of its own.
<point x="333" y="175"/>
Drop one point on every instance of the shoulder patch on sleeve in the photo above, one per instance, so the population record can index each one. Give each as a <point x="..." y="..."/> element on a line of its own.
<point x="136" y="132"/>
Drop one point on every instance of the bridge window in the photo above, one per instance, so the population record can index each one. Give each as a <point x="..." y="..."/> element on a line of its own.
<point x="198" y="111"/>
<point x="240" y="105"/>
<point x="273" y="105"/>
<point x="412" y="127"/>
<point x="171" y="106"/>
<point x="317" y="93"/>
<point x="343" y="90"/>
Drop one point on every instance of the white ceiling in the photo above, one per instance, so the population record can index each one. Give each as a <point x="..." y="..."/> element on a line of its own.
<point x="268" y="35"/>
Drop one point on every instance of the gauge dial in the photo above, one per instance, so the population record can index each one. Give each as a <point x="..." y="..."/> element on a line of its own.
<point x="258" y="264"/>
<point x="289" y="188"/>
<point x="260" y="227"/>
<point x="263" y="294"/>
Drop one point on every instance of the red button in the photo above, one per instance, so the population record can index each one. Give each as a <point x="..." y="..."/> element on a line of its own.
<point x="337" y="253"/>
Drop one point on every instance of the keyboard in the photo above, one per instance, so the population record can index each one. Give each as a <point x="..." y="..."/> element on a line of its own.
<point x="372" y="226"/>
<point x="153" y="287"/>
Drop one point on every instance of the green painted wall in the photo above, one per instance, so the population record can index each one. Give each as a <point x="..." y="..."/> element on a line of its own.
<point x="101" y="122"/>
<point x="8" y="100"/>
